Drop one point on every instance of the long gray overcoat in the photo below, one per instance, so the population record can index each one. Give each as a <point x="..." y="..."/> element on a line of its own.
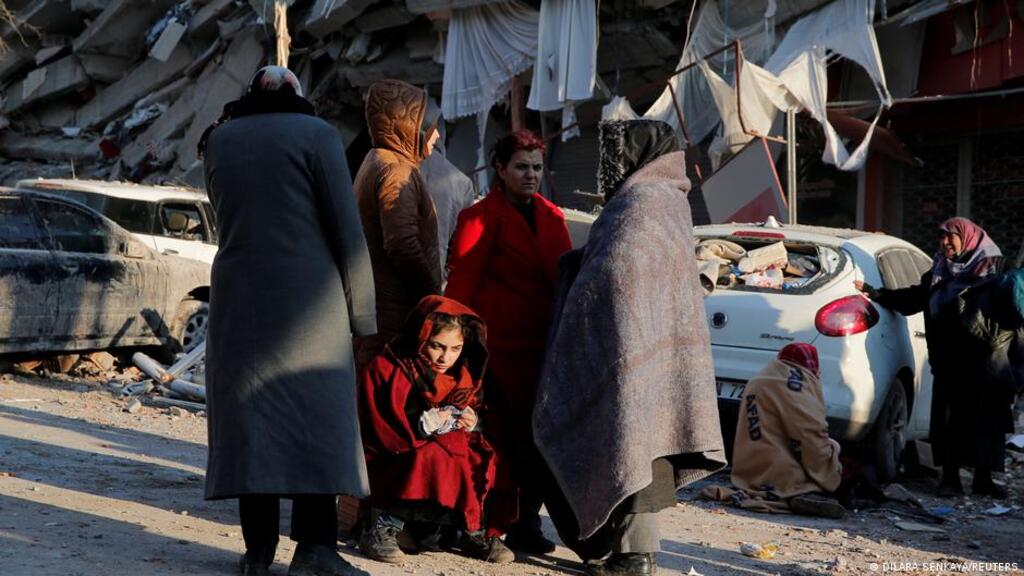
<point x="291" y="284"/>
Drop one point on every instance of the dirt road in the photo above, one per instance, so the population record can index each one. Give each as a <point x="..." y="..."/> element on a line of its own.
<point x="89" y="489"/>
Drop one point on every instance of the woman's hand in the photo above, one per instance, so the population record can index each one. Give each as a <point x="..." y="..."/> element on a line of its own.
<point x="858" y="285"/>
<point x="468" y="420"/>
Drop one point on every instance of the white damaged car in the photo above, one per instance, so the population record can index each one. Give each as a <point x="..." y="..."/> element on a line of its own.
<point x="874" y="363"/>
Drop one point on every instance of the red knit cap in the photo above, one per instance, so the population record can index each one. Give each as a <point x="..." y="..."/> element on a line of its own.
<point x="801" y="354"/>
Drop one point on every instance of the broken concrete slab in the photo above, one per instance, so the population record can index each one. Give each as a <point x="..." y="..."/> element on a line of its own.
<point x="53" y="116"/>
<point x="328" y="16"/>
<point x="103" y="68"/>
<point x="167" y="94"/>
<point x="49" y="16"/>
<point x="384" y="18"/>
<point x="394" y="65"/>
<point x="49" y="54"/>
<point x="422" y="44"/>
<point x="425" y="6"/>
<point x="117" y="31"/>
<point x="39" y="17"/>
<point x="204" y="22"/>
<point x="149" y="76"/>
<point x="168" y="40"/>
<point x="89" y="7"/>
<point x="175" y="120"/>
<point x="51" y="148"/>
<point x="243" y="57"/>
<point x="46" y="83"/>
<point x="17" y="57"/>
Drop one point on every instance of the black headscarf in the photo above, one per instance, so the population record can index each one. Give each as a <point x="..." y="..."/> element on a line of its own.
<point x="273" y="89"/>
<point x="627" y="146"/>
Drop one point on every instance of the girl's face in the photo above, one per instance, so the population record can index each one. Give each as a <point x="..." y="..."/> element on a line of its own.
<point x="443" y="349"/>
<point x="522" y="174"/>
<point x="951" y="244"/>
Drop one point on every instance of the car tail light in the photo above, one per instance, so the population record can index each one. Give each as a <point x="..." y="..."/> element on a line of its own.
<point x="846" y="316"/>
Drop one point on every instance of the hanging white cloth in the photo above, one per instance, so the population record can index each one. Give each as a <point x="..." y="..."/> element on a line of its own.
<point x="691" y="89"/>
<point x="488" y="46"/>
<point x="795" y="77"/>
<point x="761" y="98"/>
<point x="618" y="109"/>
<point x="566" y="67"/>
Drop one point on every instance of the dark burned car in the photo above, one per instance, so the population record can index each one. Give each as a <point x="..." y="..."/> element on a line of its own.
<point x="73" y="280"/>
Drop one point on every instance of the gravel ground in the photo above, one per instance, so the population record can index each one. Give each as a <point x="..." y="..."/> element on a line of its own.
<point x="87" y="488"/>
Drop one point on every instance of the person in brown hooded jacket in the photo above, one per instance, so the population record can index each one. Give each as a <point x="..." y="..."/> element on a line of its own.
<point x="398" y="216"/>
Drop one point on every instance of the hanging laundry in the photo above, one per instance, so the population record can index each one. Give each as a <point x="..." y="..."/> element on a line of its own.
<point x="566" y="68"/>
<point x="691" y="89"/>
<point x="794" y="77"/>
<point x="487" y="47"/>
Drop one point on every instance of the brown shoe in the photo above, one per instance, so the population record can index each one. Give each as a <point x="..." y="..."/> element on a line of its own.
<point x="492" y="550"/>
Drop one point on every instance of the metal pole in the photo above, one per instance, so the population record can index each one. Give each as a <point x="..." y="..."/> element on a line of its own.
<point x="791" y="164"/>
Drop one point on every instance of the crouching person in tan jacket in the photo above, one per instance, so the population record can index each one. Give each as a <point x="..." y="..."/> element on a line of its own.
<point x="782" y="445"/>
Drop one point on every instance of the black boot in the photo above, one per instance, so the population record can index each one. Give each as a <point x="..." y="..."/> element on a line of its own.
<point x="950" y="486"/>
<point x="624" y="565"/>
<point x="529" y="541"/>
<point x="256" y="563"/>
<point x="320" y="560"/>
<point x="984" y="486"/>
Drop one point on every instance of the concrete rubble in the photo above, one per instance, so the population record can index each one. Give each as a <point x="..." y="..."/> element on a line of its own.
<point x="115" y="89"/>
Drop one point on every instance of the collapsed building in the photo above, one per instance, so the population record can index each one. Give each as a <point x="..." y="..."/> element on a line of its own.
<point x="122" y="90"/>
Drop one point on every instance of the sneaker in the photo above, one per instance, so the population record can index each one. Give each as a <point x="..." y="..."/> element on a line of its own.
<point x="529" y="542"/>
<point x="381" y="544"/>
<point x="321" y="560"/>
<point x="817" y="505"/>
<point x="492" y="550"/>
<point x="623" y="565"/>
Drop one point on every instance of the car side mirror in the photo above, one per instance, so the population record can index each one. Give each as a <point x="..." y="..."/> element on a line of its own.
<point x="134" y="250"/>
<point x="177" y="222"/>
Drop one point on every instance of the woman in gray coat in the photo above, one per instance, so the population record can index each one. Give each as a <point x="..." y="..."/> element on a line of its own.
<point x="291" y="283"/>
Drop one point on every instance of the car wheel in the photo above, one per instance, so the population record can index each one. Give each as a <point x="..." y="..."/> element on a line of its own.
<point x="190" y="325"/>
<point x="889" y="436"/>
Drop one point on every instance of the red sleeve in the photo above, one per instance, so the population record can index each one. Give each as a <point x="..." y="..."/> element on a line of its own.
<point x="383" y="392"/>
<point x="470" y="249"/>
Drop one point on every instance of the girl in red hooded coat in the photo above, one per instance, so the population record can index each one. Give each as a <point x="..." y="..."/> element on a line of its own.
<point x="426" y="458"/>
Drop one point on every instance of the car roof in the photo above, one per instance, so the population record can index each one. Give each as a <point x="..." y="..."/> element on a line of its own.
<point x="871" y="242"/>
<point x="798" y="232"/>
<point x="127" y="190"/>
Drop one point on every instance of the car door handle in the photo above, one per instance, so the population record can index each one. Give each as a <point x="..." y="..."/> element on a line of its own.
<point x="919" y="334"/>
<point x="72" y="268"/>
<point x="169" y="252"/>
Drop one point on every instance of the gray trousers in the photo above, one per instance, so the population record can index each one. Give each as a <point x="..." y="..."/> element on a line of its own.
<point x="636" y="534"/>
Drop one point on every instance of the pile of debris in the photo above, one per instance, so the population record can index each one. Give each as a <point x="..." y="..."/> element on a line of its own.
<point x="727" y="264"/>
<point x="122" y="90"/>
<point x="181" y="385"/>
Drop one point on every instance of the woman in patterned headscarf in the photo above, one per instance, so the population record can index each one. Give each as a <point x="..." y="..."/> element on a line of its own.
<point x="964" y="426"/>
<point x="626" y="410"/>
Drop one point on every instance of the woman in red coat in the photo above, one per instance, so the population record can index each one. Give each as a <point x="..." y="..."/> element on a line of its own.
<point x="503" y="262"/>
<point x="426" y="459"/>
